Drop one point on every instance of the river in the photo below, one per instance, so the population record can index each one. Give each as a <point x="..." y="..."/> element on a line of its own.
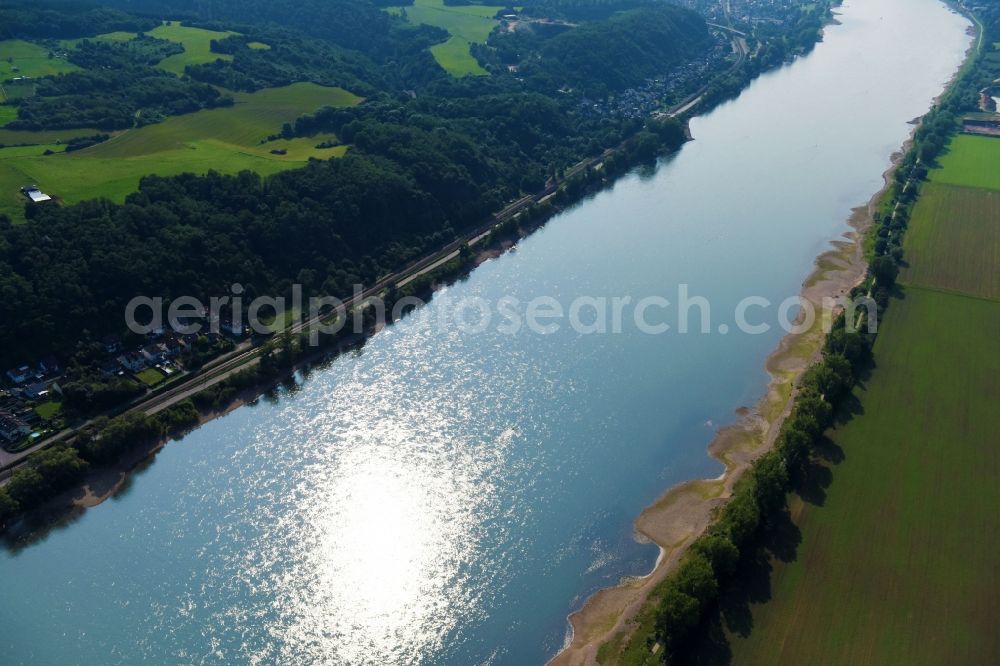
<point x="448" y="496"/>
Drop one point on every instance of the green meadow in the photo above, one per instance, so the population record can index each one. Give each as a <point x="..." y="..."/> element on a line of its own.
<point x="469" y="24"/>
<point x="196" y="42"/>
<point x="226" y="140"/>
<point x="20" y="58"/>
<point x="897" y="562"/>
<point x="971" y="161"/>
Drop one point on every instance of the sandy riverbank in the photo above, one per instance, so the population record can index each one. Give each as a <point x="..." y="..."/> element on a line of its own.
<point x="681" y="514"/>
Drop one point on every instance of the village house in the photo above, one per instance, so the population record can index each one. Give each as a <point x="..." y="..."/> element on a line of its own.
<point x="50" y="366"/>
<point x="233" y="329"/>
<point x="132" y="361"/>
<point x="35" y="194"/>
<point x="112" y="344"/>
<point x="109" y="368"/>
<point x="175" y="344"/>
<point x="12" y="428"/>
<point x="20" y="375"/>
<point x="36" y="391"/>
<point x="155" y="353"/>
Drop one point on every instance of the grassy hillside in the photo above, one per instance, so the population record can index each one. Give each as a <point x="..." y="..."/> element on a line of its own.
<point x="897" y="561"/>
<point x="226" y="140"/>
<point x="27" y="138"/>
<point x="196" y="44"/>
<point x="467" y="24"/>
<point x="20" y="58"/>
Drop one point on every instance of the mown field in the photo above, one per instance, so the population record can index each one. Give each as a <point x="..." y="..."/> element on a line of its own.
<point x="971" y="161"/>
<point x="897" y="562"/>
<point x="467" y="24"/>
<point x="952" y="242"/>
<point x="226" y="140"/>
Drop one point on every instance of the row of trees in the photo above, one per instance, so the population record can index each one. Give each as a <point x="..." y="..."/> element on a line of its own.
<point x="759" y="498"/>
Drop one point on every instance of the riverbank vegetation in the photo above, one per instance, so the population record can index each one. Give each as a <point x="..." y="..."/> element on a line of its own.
<point x="832" y="544"/>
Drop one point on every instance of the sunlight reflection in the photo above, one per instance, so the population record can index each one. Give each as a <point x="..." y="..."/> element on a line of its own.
<point x="385" y="533"/>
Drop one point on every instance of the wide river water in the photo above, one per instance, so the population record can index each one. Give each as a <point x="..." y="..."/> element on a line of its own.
<point x="448" y="496"/>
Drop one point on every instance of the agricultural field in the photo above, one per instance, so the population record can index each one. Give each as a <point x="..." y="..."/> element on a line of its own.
<point x="227" y="140"/>
<point x="468" y="24"/>
<point x="971" y="161"/>
<point x="897" y="561"/>
<point x="952" y="242"/>
<point x="20" y="58"/>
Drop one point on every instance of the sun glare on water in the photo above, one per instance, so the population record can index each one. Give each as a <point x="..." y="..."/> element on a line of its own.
<point x="370" y="558"/>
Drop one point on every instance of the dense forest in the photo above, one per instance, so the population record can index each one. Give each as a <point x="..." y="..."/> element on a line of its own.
<point x="291" y="58"/>
<point x="623" y="50"/>
<point x="354" y="24"/>
<point x="48" y="20"/>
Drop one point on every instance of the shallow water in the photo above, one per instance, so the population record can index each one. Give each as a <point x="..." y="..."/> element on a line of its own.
<point x="448" y="497"/>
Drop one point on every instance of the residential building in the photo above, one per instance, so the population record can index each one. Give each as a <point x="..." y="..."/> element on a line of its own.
<point x="12" y="428"/>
